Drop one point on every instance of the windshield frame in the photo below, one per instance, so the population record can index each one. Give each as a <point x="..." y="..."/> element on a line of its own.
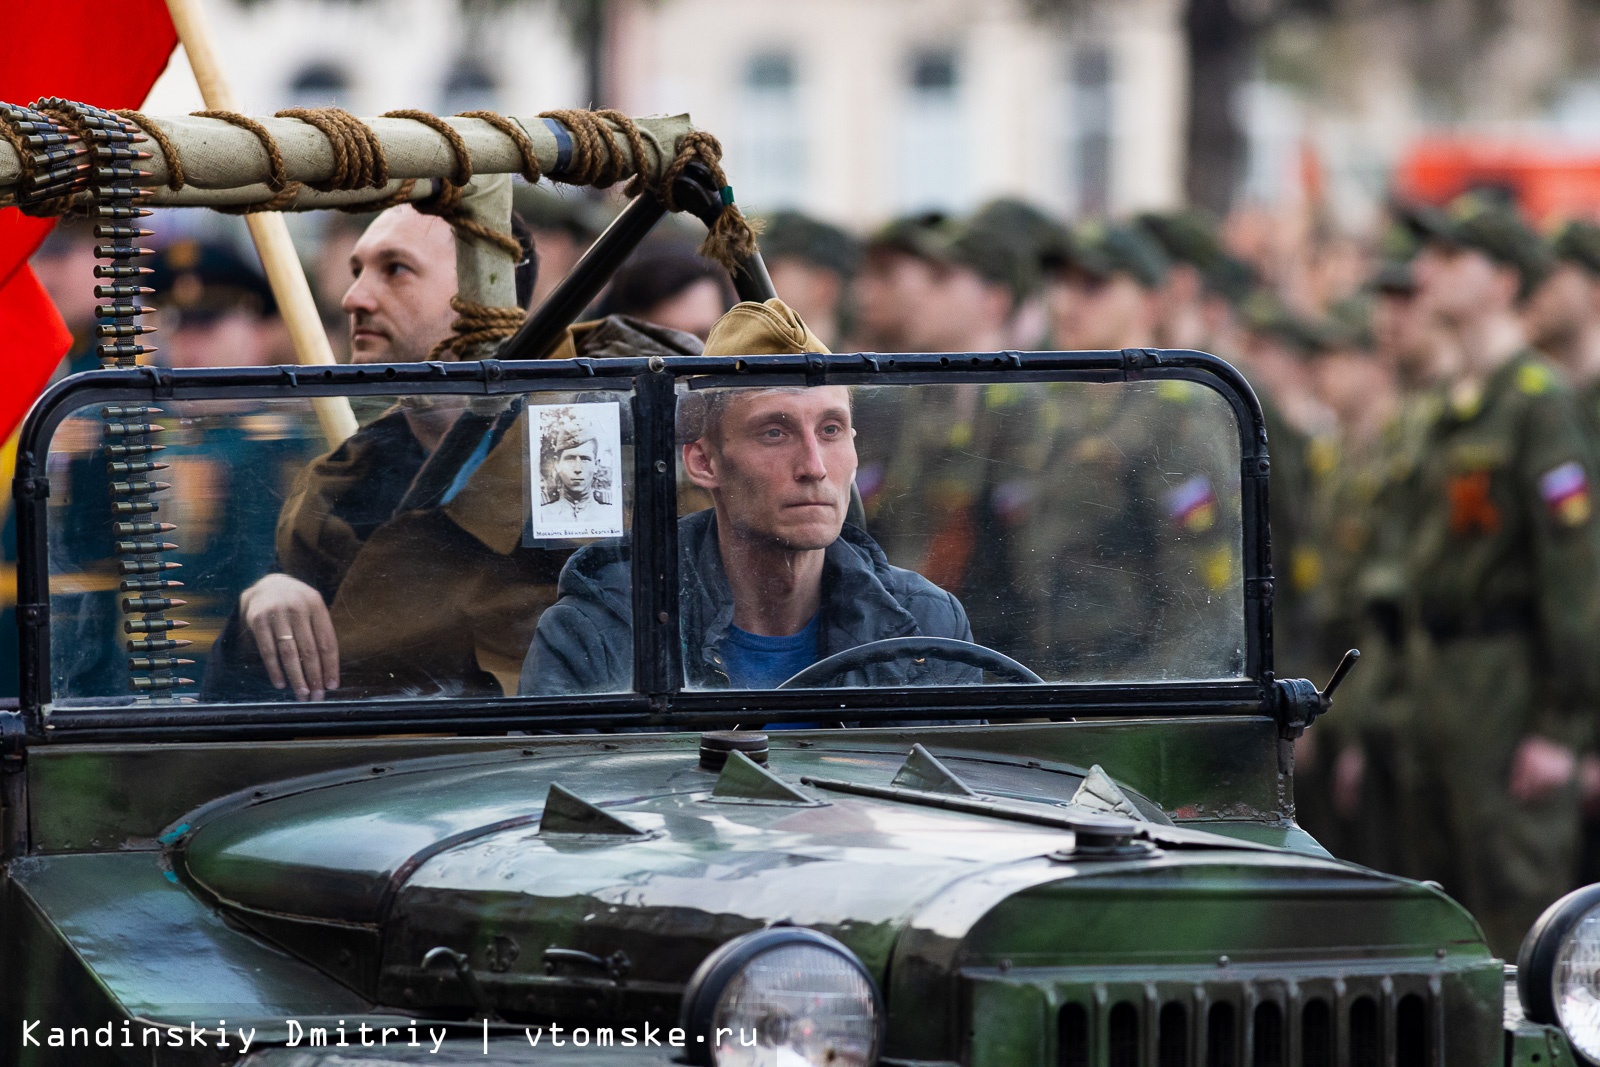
<point x="659" y="699"/>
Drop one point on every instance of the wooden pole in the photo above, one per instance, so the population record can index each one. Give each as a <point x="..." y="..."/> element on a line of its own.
<point x="268" y="229"/>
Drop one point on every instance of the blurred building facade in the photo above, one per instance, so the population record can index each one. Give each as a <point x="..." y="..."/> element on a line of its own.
<point x="854" y="110"/>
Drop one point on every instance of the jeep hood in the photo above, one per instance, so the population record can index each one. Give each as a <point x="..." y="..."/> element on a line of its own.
<point x="590" y="885"/>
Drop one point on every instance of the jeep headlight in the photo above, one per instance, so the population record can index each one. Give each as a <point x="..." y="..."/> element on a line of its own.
<point x="1558" y="970"/>
<point x="783" y="997"/>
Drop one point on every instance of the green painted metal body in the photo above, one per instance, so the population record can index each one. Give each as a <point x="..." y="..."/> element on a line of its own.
<point x="279" y="889"/>
<point x="267" y="882"/>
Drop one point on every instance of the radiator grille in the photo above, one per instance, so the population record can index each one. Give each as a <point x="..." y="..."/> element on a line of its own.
<point x="1370" y="1021"/>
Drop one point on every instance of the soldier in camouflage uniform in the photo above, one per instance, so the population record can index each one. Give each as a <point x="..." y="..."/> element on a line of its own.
<point x="1279" y="344"/>
<point x="812" y="264"/>
<point x="1564" y="320"/>
<point x="230" y="463"/>
<point x="931" y="489"/>
<point x="1347" y="474"/>
<point x="1501" y="606"/>
<point x="1368" y="770"/>
<point x="1148" y="456"/>
<point x="1358" y="387"/>
<point x="1190" y="240"/>
<point x="896" y="280"/>
<point x="1303" y="436"/>
<point x="1225" y="317"/>
<point x="1564" y="315"/>
<point x="1037" y="238"/>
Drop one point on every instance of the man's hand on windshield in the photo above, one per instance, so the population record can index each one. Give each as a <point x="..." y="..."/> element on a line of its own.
<point x="1540" y="767"/>
<point x="294" y="632"/>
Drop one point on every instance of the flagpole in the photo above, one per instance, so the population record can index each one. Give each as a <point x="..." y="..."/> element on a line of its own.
<point x="267" y="228"/>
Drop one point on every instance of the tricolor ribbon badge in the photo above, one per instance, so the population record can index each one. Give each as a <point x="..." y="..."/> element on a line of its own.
<point x="1193" y="505"/>
<point x="1565" y="491"/>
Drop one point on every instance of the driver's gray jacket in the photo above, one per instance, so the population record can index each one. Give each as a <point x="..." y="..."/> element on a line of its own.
<point x="584" y="642"/>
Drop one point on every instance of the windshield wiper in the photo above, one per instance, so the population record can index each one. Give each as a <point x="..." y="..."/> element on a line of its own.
<point x="1095" y="833"/>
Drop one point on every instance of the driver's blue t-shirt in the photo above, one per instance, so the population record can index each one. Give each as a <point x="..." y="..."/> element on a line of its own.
<point x="757" y="662"/>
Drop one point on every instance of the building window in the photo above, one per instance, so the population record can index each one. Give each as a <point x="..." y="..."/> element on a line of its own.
<point x="1090" y="142"/>
<point x="772" y="140"/>
<point x="935" y="149"/>
<point x="320" y="84"/>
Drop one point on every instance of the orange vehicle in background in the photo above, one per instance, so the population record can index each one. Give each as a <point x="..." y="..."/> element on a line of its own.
<point x="1550" y="181"/>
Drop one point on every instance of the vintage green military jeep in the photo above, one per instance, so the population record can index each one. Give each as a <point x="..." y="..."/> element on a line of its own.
<point x="1033" y="805"/>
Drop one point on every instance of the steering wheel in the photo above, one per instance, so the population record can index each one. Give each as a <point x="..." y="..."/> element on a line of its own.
<point x="892" y="648"/>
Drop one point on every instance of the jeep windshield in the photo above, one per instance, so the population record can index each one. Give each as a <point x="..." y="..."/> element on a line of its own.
<point x="610" y="543"/>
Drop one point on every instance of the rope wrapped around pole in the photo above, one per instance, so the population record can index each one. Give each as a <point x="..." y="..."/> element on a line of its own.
<point x="206" y="161"/>
<point x="327" y="157"/>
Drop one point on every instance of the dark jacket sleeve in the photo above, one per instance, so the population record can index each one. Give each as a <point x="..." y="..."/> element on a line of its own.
<point x="937" y="611"/>
<point x="940" y="614"/>
<point x="576" y="650"/>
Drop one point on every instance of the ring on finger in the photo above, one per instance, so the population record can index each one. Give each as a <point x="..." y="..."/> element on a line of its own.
<point x="286" y="637"/>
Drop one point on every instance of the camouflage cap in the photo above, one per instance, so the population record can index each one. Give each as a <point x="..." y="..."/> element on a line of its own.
<point x="789" y="233"/>
<point x="1579" y="242"/>
<point x="991" y="251"/>
<point x="1027" y="226"/>
<point x="204" y="279"/>
<point x="1186" y="236"/>
<point x="1394" y="278"/>
<point x="1492" y="228"/>
<point x="1348" y="325"/>
<point x="1101" y="251"/>
<point x="975" y="243"/>
<point x="1230" y="278"/>
<point x="912" y="235"/>
<point x="1416" y="223"/>
<point x="1268" y="316"/>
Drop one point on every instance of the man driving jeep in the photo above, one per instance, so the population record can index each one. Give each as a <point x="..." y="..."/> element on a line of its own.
<point x="773" y="578"/>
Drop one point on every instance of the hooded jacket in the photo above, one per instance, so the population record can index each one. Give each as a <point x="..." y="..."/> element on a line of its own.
<point x="584" y="643"/>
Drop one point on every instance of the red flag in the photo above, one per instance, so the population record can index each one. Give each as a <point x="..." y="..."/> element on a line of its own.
<point x="105" y="54"/>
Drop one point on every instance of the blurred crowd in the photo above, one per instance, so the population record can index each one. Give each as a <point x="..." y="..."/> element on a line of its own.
<point x="1431" y="394"/>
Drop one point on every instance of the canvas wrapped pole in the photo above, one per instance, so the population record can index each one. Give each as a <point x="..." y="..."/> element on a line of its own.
<point x="485" y="274"/>
<point x="229" y="167"/>
<point x="225" y="166"/>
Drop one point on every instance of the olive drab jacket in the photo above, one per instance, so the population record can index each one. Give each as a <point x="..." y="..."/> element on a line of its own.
<point x="1503" y="537"/>
<point x="432" y="585"/>
<point x="1502" y="568"/>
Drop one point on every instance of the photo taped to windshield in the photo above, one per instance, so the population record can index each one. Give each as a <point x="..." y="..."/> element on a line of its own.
<point x="577" y="446"/>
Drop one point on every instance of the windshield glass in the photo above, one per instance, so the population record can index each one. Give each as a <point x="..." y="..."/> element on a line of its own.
<point x="1013" y="532"/>
<point x="1090" y="532"/>
<point x="413" y="560"/>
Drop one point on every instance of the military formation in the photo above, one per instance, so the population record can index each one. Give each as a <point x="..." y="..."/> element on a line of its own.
<point x="1433" y="414"/>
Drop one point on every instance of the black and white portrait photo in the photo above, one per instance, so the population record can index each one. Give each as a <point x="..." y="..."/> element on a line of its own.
<point x="575" y="451"/>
